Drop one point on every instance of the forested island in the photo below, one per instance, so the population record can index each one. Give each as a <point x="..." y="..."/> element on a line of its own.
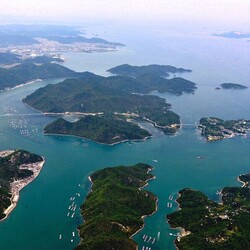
<point x="113" y="211"/>
<point x="129" y="97"/>
<point x="108" y="130"/>
<point x="232" y="86"/>
<point x="210" y="225"/>
<point x="135" y="71"/>
<point x="17" y="169"/>
<point x="214" y="129"/>
<point x="152" y="77"/>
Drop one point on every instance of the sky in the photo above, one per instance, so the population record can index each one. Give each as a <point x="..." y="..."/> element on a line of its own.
<point x="73" y="11"/>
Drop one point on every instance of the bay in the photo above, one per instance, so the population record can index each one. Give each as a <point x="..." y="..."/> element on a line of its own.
<point x="184" y="160"/>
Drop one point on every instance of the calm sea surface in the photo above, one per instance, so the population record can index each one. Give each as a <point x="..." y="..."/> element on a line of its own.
<point x="184" y="160"/>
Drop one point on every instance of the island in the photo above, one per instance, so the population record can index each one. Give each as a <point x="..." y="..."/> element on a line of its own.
<point x="208" y="225"/>
<point x="232" y="86"/>
<point x="234" y="34"/>
<point x="135" y="71"/>
<point x="152" y="77"/>
<point x="108" y="130"/>
<point x="115" y="207"/>
<point x="214" y="129"/>
<point x="128" y="97"/>
<point x="17" y="169"/>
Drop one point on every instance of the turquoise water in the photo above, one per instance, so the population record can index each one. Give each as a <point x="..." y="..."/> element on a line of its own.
<point x="41" y="214"/>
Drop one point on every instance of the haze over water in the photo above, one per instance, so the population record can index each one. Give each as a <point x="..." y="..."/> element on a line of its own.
<point x="184" y="160"/>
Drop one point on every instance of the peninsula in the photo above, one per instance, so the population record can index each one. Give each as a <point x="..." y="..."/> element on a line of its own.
<point x="210" y="225"/>
<point x="108" y="130"/>
<point x="114" y="209"/>
<point x="27" y="71"/>
<point x="214" y="129"/>
<point x="17" y="169"/>
<point x="232" y="86"/>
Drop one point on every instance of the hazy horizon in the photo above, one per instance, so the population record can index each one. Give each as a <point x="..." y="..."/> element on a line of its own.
<point x="228" y="14"/>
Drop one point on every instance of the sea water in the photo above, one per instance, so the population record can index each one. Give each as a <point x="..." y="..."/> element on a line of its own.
<point x="183" y="160"/>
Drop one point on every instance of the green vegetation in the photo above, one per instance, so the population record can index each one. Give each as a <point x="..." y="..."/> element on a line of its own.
<point x="151" y="78"/>
<point x="213" y="226"/>
<point x="93" y="94"/>
<point x="246" y="179"/>
<point x="106" y="130"/>
<point x="9" y="58"/>
<point x="113" y="209"/>
<point x="10" y="171"/>
<point x="232" y="86"/>
<point x="135" y="71"/>
<point x="214" y="129"/>
<point x="28" y="71"/>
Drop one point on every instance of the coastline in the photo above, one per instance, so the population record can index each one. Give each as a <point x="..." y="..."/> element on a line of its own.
<point x="212" y="138"/>
<point x="101" y="143"/>
<point x="24" y="84"/>
<point x="183" y="232"/>
<point x="17" y="185"/>
<point x="244" y="184"/>
<point x="143" y="216"/>
<point x="177" y="126"/>
<point x="156" y="204"/>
